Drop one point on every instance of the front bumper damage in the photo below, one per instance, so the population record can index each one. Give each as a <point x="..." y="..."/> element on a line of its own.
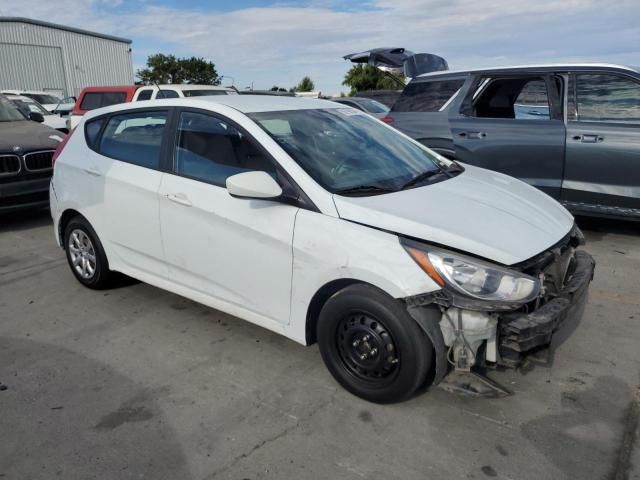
<point x="467" y="341"/>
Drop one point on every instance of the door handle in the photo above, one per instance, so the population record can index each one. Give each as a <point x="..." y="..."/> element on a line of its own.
<point x="179" y="198"/>
<point x="588" y="138"/>
<point x="473" y="135"/>
<point x="93" y="171"/>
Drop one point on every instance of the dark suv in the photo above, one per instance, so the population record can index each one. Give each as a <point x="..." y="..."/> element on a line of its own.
<point x="571" y="130"/>
<point x="26" y="152"/>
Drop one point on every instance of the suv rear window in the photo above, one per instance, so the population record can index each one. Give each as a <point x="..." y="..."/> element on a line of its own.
<point x="93" y="100"/>
<point x="426" y="96"/>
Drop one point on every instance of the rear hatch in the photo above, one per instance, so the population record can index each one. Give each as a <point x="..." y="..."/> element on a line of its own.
<point x="400" y="61"/>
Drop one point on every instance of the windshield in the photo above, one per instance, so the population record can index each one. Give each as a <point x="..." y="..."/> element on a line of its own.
<point x="42" y="98"/>
<point x="203" y="93"/>
<point x="9" y="112"/>
<point x="28" y="107"/>
<point x="373" y="106"/>
<point x="345" y="149"/>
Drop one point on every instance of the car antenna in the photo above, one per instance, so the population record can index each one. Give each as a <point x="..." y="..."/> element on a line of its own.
<point x="157" y="86"/>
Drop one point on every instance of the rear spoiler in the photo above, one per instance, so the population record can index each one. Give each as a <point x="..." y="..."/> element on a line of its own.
<point x="400" y="61"/>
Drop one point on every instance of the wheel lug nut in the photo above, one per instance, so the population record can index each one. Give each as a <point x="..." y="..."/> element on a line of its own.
<point x="356" y="343"/>
<point x="363" y="356"/>
<point x="373" y="351"/>
<point x="365" y="338"/>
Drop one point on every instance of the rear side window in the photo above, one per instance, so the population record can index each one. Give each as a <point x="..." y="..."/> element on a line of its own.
<point x="521" y="98"/>
<point x="167" y="94"/>
<point x="607" y="98"/>
<point x="426" y="96"/>
<point x="145" y="95"/>
<point x="135" y="138"/>
<point x="92" y="129"/>
<point x="93" y="100"/>
<point x="210" y="149"/>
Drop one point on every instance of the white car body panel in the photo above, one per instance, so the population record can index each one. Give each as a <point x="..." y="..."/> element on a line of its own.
<point x="479" y="211"/>
<point x="233" y="249"/>
<point x="264" y="261"/>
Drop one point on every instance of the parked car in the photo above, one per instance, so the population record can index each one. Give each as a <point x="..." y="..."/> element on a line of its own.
<point x="96" y="97"/>
<point x="372" y="107"/>
<point x="26" y="151"/>
<point x="323" y="224"/>
<point x="27" y="105"/>
<point x="572" y="131"/>
<point x="386" y="97"/>
<point x="48" y="100"/>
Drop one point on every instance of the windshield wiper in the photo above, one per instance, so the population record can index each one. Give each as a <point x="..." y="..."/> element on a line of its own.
<point x="363" y="189"/>
<point x="422" y="177"/>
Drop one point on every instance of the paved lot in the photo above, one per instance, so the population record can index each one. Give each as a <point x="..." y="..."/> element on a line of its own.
<point x="139" y="383"/>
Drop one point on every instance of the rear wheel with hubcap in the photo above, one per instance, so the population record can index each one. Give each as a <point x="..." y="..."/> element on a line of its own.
<point x="85" y="254"/>
<point x="372" y="346"/>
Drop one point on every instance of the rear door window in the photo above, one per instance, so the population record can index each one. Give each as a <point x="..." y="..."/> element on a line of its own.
<point x="607" y="98"/>
<point x="428" y="96"/>
<point x="167" y="94"/>
<point x="135" y="137"/>
<point x="520" y="98"/>
<point x="210" y="149"/>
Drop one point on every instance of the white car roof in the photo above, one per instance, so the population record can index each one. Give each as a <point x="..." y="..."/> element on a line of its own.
<point x="20" y="92"/>
<point x="187" y="87"/>
<point x="242" y="103"/>
<point x="11" y="96"/>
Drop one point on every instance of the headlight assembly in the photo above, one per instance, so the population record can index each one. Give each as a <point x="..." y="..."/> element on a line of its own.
<point x="474" y="279"/>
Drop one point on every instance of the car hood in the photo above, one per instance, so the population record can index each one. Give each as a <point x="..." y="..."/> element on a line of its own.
<point x="481" y="212"/>
<point x="28" y="136"/>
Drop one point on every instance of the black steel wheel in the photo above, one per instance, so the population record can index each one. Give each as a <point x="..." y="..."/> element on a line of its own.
<point x="372" y="346"/>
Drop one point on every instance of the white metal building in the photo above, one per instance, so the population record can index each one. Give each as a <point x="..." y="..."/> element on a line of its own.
<point x="38" y="55"/>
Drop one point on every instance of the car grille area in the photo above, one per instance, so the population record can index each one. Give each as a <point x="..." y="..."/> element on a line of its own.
<point x="38" y="161"/>
<point x="9" y="165"/>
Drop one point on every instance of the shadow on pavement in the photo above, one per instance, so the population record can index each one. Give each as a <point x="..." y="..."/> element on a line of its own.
<point x="24" y="220"/>
<point x="64" y="415"/>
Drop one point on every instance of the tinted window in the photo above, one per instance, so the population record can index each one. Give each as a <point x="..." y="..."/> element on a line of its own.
<point x="607" y="98"/>
<point x="532" y="101"/>
<point x="43" y="98"/>
<point x="210" y="149"/>
<point x="134" y="138"/>
<point x="93" y="100"/>
<point x="145" y="95"/>
<point x="342" y="148"/>
<point x="91" y="130"/>
<point x="167" y="94"/>
<point x="518" y="98"/>
<point x="202" y="93"/>
<point x="426" y="96"/>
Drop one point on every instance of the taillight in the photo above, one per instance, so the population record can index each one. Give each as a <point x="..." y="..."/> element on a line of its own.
<point x="58" y="151"/>
<point x="387" y="119"/>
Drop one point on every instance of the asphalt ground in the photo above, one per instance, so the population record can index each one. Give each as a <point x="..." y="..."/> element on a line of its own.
<point x="136" y="382"/>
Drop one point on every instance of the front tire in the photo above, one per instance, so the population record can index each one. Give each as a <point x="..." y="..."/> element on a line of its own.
<point x="85" y="255"/>
<point x="372" y="346"/>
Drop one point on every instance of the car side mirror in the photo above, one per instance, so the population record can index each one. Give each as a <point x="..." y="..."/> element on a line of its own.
<point x="253" y="185"/>
<point x="36" y="117"/>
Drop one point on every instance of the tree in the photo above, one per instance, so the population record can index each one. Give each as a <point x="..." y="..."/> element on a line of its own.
<point x="305" y="85"/>
<point x="169" y="69"/>
<point x="366" y="77"/>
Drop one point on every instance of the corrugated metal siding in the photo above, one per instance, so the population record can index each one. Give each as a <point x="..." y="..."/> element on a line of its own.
<point x="85" y="60"/>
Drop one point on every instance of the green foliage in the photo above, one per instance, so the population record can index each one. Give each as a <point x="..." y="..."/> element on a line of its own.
<point x="362" y="77"/>
<point x="169" y="69"/>
<point x="305" y="85"/>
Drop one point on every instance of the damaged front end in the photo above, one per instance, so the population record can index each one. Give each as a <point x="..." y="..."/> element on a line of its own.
<point x="488" y="315"/>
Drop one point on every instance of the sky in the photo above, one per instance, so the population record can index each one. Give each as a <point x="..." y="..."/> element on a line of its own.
<point x="266" y="43"/>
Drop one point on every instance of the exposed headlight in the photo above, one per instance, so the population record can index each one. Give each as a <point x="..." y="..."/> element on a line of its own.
<point x="474" y="278"/>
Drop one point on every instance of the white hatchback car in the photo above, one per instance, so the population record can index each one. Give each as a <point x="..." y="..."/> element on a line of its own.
<point x="323" y="224"/>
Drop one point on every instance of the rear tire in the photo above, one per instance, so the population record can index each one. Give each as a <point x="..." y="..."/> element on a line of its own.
<point x="372" y="346"/>
<point x="85" y="255"/>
